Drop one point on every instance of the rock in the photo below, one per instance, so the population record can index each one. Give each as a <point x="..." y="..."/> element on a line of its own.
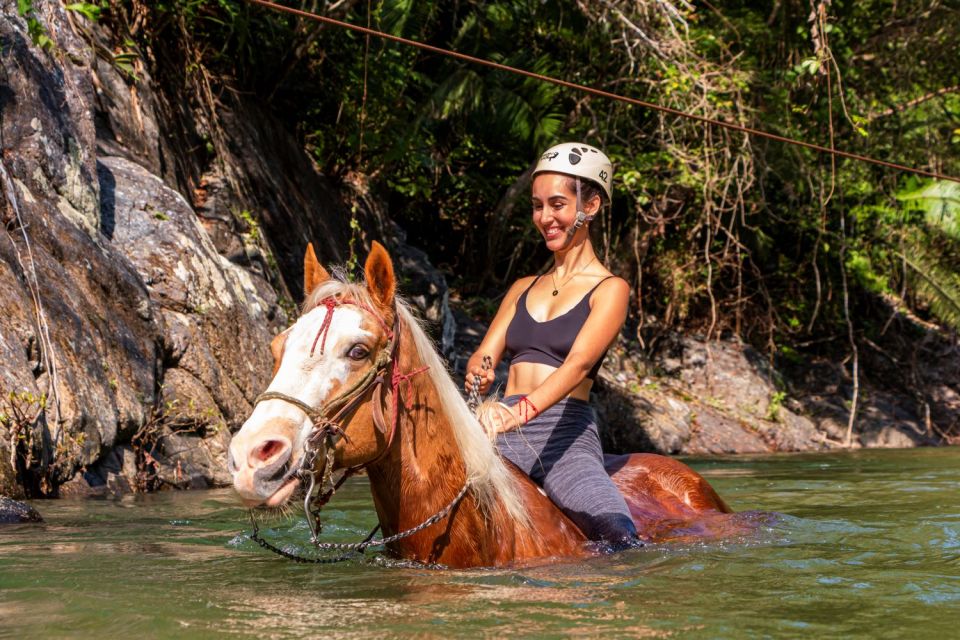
<point x="194" y="460"/>
<point x="127" y="285"/>
<point x="217" y="324"/>
<point x="217" y="327"/>
<point x="886" y="416"/>
<point x="14" y="512"/>
<point x="717" y="432"/>
<point x="426" y="288"/>
<point x="78" y="333"/>
<point x="634" y="420"/>
<point x="115" y="473"/>
<point x="714" y="397"/>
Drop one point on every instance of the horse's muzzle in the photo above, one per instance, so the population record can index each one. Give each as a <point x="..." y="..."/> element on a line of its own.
<point x="263" y="464"/>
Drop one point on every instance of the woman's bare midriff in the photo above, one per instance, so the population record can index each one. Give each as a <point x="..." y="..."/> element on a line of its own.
<point x="524" y="377"/>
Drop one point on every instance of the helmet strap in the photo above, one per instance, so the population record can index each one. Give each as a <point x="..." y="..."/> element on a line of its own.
<point x="582" y="218"/>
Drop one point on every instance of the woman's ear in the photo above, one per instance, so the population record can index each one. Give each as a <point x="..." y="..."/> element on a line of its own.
<point x="592" y="206"/>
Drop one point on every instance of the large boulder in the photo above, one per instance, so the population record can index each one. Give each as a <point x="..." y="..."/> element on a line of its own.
<point x="121" y="322"/>
<point x="153" y="246"/>
<point x="79" y="332"/>
<point x="216" y="321"/>
<point x="694" y="396"/>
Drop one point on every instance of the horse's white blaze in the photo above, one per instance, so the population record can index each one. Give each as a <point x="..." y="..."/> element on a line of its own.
<point x="308" y="378"/>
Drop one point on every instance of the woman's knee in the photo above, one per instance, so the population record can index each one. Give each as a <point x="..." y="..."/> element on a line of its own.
<point x="615" y="529"/>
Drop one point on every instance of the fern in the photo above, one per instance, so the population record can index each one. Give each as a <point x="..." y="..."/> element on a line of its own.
<point x="935" y="283"/>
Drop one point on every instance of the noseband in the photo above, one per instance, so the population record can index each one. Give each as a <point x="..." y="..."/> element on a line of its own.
<point x="328" y="420"/>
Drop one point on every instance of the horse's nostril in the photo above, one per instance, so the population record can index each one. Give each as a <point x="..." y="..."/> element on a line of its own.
<point x="268" y="451"/>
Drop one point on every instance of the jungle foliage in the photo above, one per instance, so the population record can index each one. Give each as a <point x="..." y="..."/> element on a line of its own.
<point x="718" y="232"/>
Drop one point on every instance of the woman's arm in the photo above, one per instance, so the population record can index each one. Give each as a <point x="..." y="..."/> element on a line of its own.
<point x="494" y="342"/>
<point x="608" y="312"/>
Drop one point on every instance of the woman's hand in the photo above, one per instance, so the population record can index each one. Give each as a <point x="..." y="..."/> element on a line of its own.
<point x="497" y="417"/>
<point x="477" y="371"/>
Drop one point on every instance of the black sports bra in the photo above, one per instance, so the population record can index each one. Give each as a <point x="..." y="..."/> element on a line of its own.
<point x="548" y="342"/>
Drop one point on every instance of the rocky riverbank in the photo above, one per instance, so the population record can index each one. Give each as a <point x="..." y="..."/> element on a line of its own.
<point x="153" y="246"/>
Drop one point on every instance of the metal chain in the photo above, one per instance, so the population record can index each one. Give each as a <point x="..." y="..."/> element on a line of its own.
<point x="356" y="547"/>
<point x="255" y="536"/>
<point x="360" y="546"/>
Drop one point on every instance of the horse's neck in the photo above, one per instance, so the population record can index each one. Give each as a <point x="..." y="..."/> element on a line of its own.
<point x="423" y="473"/>
<point x="424" y="470"/>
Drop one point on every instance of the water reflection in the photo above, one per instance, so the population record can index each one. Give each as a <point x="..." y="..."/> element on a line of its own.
<point x="866" y="543"/>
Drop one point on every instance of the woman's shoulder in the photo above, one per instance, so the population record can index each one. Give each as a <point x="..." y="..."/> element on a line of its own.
<point x="523" y="283"/>
<point x="611" y="287"/>
<point x="519" y="286"/>
<point x="608" y="279"/>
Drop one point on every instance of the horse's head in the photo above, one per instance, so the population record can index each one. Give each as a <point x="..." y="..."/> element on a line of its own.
<point x="331" y="355"/>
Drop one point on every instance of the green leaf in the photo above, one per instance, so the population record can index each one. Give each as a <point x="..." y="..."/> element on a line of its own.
<point x="89" y="11"/>
<point x="939" y="200"/>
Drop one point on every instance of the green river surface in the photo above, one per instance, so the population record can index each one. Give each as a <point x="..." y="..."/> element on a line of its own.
<point x="867" y="545"/>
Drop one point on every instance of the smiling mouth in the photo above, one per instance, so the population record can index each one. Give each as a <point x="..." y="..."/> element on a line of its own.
<point x="552" y="232"/>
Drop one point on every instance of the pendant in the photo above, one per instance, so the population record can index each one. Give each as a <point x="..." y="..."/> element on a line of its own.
<point x="555" y="292"/>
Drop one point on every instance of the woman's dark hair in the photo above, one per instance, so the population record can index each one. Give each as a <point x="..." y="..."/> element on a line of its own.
<point x="588" y="189"/>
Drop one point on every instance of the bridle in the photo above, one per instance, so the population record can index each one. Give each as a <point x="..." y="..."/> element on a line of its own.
<point x="328" y="428"/>
<point x="328" y="418"/>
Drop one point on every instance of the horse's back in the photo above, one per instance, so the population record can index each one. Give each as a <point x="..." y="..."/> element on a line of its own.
<point x="667" y="499"/>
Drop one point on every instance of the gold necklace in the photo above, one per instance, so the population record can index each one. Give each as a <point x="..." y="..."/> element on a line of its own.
<point x="553" y="276"/>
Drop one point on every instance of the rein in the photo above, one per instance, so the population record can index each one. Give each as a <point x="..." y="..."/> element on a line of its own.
<point x="358" y="547"/>
<point x="330" y="431"/>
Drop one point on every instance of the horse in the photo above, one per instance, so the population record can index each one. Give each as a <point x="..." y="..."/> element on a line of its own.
<point x="358" y="385"/>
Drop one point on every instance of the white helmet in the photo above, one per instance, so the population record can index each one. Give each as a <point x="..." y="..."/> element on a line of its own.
<point x="579" y="160"/>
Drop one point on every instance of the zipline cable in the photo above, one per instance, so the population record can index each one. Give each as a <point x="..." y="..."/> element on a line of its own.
<point x="599" y="92"/>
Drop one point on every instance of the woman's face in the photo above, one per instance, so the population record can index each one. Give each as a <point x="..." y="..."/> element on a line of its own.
<point x="555" y="208"/>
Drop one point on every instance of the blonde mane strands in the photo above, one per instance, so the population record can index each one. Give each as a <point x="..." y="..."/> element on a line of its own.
<point x="489" y="477"/>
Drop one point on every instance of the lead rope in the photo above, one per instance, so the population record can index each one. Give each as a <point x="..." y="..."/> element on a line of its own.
<point x="473" y="402"/>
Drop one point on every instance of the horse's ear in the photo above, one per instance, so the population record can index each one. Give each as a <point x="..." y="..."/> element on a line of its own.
<point x="276" y="349"/>
<point x="313" y="272"/>
<point x="380" y="279"/>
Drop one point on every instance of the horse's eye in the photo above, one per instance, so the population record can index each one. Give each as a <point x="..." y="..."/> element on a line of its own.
<point x="358" y="352"/>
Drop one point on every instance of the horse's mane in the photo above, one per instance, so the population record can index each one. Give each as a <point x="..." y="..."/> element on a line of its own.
<point x="487" y="473"/>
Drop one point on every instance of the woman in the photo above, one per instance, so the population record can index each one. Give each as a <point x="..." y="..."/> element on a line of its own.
<point x="556" y="329"/>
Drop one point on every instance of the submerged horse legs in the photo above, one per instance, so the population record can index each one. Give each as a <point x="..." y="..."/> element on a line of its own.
<point x="668" y="500"/>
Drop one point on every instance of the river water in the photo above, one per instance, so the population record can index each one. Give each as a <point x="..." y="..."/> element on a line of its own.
<point x="867" y="545"/>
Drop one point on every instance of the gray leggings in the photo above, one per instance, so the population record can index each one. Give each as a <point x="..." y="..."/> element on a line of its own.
<point x="560" y="450"/>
